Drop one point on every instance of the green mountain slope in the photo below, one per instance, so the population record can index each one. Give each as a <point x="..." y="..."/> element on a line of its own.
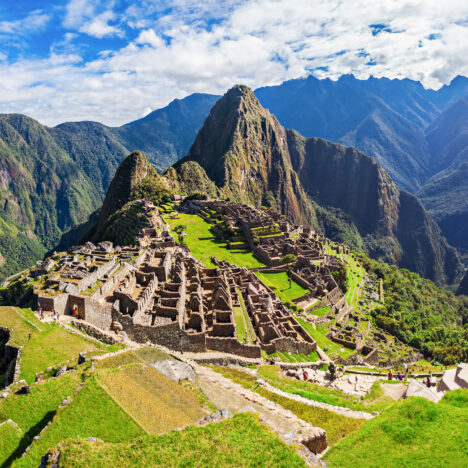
<point x="52" y="179"/>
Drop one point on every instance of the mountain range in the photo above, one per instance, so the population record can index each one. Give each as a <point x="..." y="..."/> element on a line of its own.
<point x="250" y="158"/>
<point x="51" y="179"/>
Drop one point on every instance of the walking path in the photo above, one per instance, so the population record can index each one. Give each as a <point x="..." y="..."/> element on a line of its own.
<point x="336" y="409"/>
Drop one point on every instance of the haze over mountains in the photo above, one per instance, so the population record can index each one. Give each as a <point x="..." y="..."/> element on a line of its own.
<point x="66" y="170"/>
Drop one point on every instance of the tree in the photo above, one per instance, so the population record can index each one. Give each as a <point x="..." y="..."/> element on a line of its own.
<point x="289" y="260"/>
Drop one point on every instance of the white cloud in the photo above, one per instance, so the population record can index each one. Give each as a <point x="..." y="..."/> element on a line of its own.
<point x="187" y="46"/>
<point x="34" y="21"/>
<point x="99" y="26"/>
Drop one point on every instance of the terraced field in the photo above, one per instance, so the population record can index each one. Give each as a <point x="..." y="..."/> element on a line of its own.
<point x="44" y="344"/>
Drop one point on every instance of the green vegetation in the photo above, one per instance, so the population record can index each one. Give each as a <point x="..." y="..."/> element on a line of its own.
<point x="337" y="426"/>
<point x="49" y="344"/>
<point x="92" y="413"/>
<point x="291" y="357"/>
<point x="413" y="433"/>
<point x="279" y="283"/>
<point x="31" y="413"/>
<point x="203" y="245"/>
<point x="318" y="334"/>
<point x="239" y="441"/>
<point x="320" y="311"/>
<point x="10" y="437"/>
<point x="157" y="403"/>
<point x="421" y="314"/>
<point x="375" y="400"/>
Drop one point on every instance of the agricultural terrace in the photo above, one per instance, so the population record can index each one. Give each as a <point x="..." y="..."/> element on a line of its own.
<point x="336" y="425"/>
<point x="203" y="245"/>
<point x="413" y="433"/>
<point x="355" y="274"/>
<point x="44" y="344"/>
<point x="239" y="441"/>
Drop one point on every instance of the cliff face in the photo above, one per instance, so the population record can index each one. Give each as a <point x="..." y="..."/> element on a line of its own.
<point x="252" y="159"/>
<point x="243" y="149"/>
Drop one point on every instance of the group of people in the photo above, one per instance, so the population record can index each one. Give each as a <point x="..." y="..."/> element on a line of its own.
<point x="406" y="373"/>
<point x="42" y="313"/>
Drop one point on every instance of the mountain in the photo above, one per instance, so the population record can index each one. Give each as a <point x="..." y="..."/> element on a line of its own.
<point x="243" y="150"/>
<point x="52" y="179"/>
<point x="445" y="194"/>
<point x="166" y="134"/>
<point x="381" y="117"/>
<point x="252" y="159"/>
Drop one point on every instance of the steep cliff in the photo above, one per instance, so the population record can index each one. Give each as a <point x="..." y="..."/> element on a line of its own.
<point x="243" y="149"/>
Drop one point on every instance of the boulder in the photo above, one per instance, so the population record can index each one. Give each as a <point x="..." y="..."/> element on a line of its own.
<point x="174" y="370"/>
<point x="61" y="371"/>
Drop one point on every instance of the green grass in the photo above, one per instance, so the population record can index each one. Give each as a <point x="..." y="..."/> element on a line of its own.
<point x="318" y="334"/>
<point x="375" y="400"/>
<point x="336" y="426"/>
<point x="156" y="402"/>
<point x="240" y="325"/>
<point x="12" y="318"/>
<point x="92" y="414"/>
<point x="413" y="433"/>
<point x="32" y="412"/>
<point x="279" y="283"/>
<point x="10" y="438"/>
<point x="241" y="314"/>
<point x="48" y="346"/>
<point x="321" y="311"/>
<point x="239" y="441"/>
<point x="291" y="357"/>
<point x="206" y="247"/>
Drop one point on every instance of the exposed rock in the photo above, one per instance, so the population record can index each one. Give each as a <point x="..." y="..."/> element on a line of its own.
<point x="61" y="371"/>
<point x="175" y="370"/>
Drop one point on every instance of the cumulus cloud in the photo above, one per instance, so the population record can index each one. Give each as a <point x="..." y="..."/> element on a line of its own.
<point x="180" y="47"/>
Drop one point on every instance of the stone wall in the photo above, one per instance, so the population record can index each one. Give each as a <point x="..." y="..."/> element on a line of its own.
<point x="58" y="303"/>
<point x="286" y="344"/>
<point x="110" y="283"/>
<point x="232" y="346"/>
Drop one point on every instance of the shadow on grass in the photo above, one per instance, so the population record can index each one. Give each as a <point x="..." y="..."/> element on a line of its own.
<point x="27" y="439"/>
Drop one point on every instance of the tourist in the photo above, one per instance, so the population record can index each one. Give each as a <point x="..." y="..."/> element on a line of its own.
<point x="405" y="370"/>
<point x="305" y="375"/>
<point x="390" y="375"/>
<point x="399" y="376"/>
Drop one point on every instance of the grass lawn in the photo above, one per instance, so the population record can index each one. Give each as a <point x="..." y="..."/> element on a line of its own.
<point x="156" y="402"/>
<point x="413" y="433"/>
<point x="13" y="319"/>
<point x="336" y="425"/>
<point x="203" y="245"/>
<point x="92" y="413"/>
<point x="32" y="412"/>
<point x="375" y="400"/>
<point x="291" y="357"/>
<point x="318" y="335"/>
<point x="49" y="344"/>
<point x="321" y="311"/>
<point x="279" y="283"/>
<point x="10" y="438"/>
<point x="239" y="441"/>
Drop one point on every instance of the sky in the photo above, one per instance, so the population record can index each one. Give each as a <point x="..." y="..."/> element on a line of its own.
<point x="114" y="61"/>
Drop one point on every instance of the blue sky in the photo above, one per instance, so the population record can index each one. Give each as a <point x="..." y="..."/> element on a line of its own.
<point x="116" y="60"/>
